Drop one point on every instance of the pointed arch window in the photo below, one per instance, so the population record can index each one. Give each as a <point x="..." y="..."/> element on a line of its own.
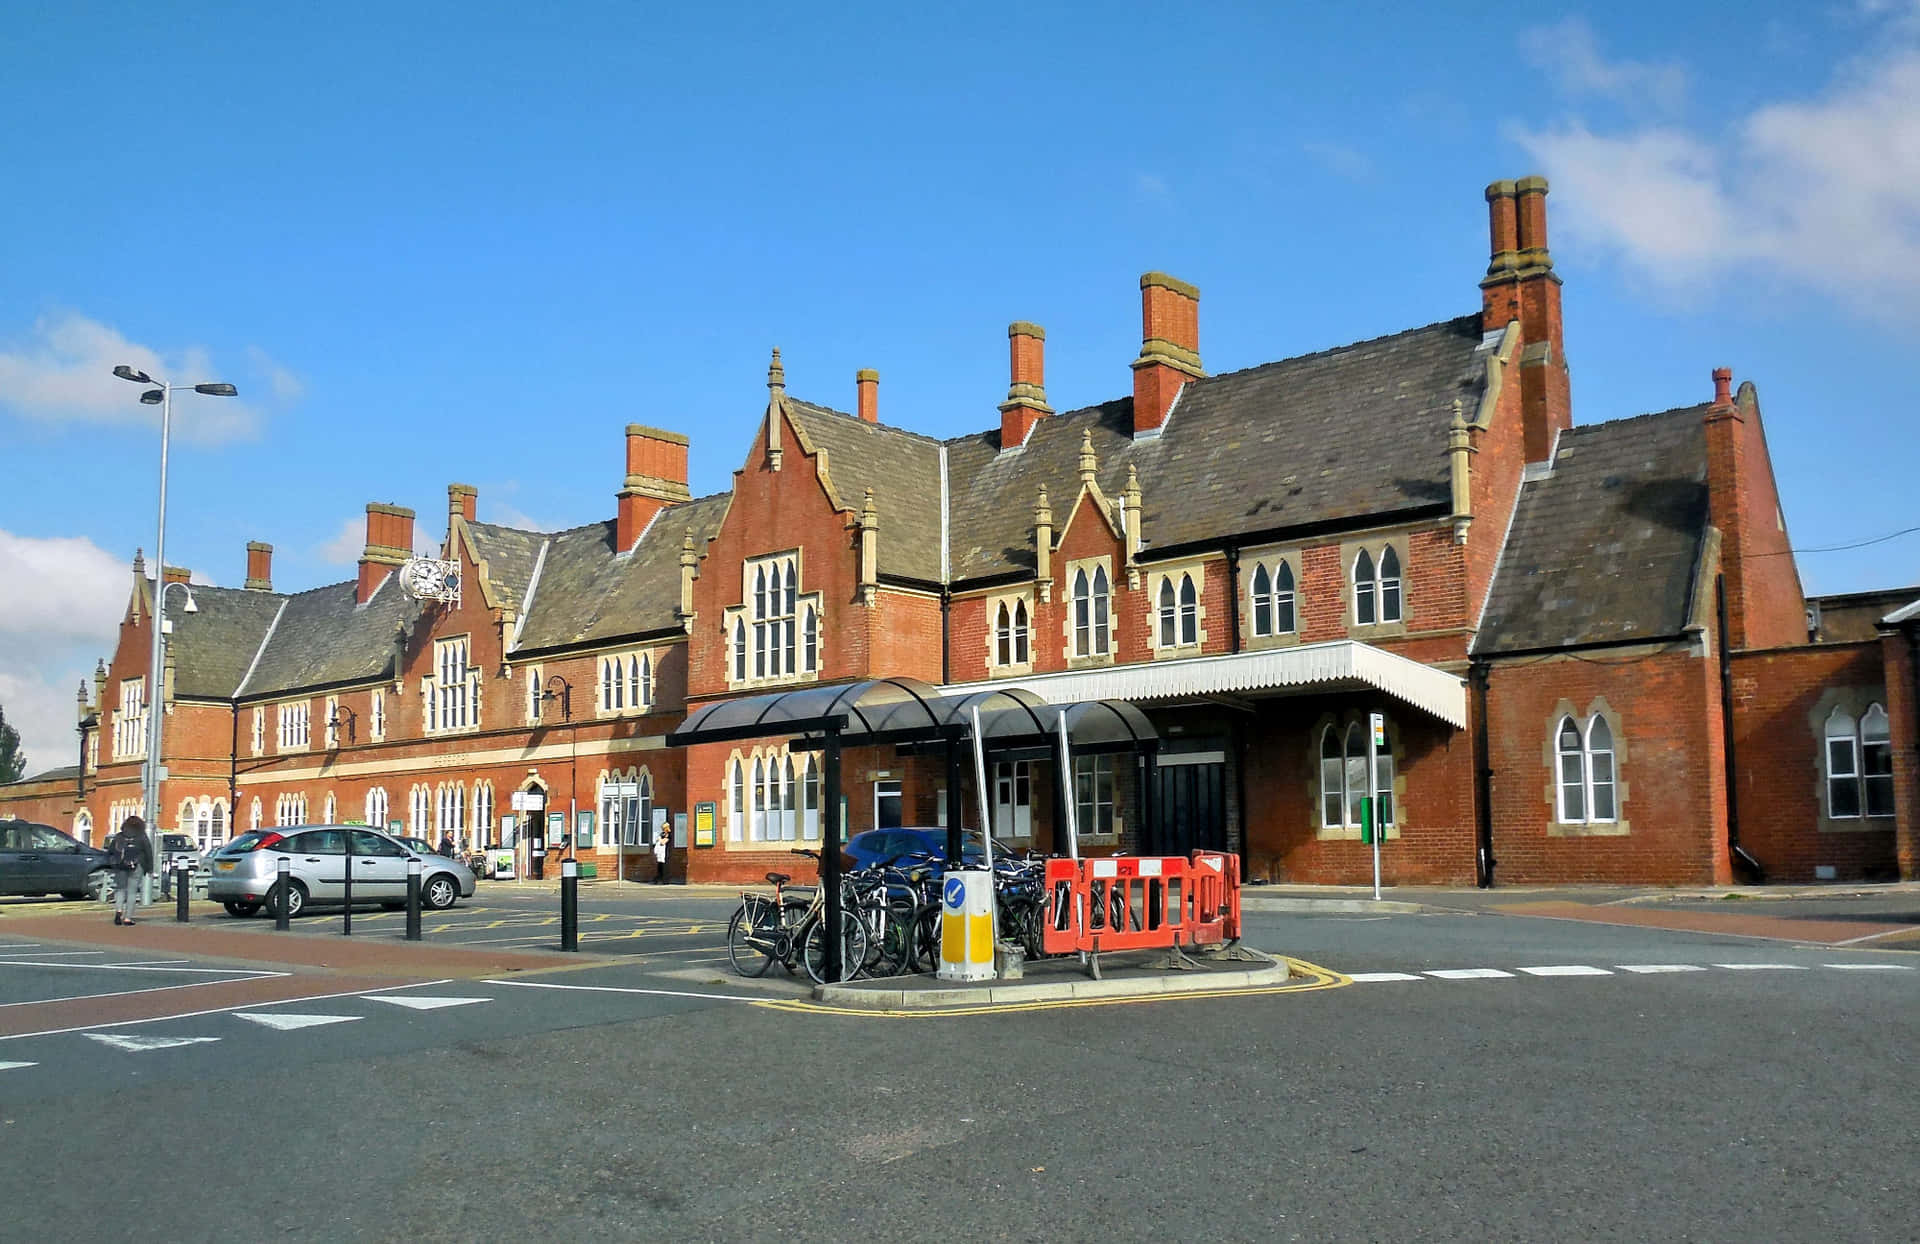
<point x="1876" y="761"/>
<point x="637" y="679"/>
<point x="1584" y="772"/>
<point x="789" y="807"/>
<point x="760" y="622"/>
<point x="1843" y="766"/>
<point x="810" y="799"/>
<point x="1389" y="585"/>
<point x="377" y="807"/>
<point x="1189" y="611"/>
<point x="739" y="650"/>
<point x="1343" y="777"/>
<point x="759" y="828"/>
<point x="1859" y="755"/>
<point x="736" y="800"/>
<point x="1363" y="589"/>
<point x="811" y="636"/>
<point x="1168" y="612"/>
<point x="1003" y="635"/>
<point x="1262" y="591"/>
<point x="1090" y="605"/>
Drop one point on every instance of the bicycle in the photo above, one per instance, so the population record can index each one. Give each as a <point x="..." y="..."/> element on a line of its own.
<point x="791" y="931"/>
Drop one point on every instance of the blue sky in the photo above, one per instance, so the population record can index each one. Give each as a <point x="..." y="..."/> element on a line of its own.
<point x="471" y="242"/>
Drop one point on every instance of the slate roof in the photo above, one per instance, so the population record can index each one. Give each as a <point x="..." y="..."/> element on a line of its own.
<point x="1341" y="434"/>
<point x="1605" y="547"/>
<point x="510" y="555"/>
<point x="324" y="636"/>
<point x="586" y="593"/>
<point x="902" y="468"/>
<point x="212" y="647"/>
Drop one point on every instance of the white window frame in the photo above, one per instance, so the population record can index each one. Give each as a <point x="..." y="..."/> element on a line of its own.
<point x="1267" y="602"/>
<point x="1012" y="801"/>
<point x="533" y="695"/>
<point x="483" y="814"/>
<point x="1379" y="587"/>
<point x="1849" y="732"/>
<point x="1095" y="797"/>
<point x="452" y="688"/>
<point x="379" y="715"/>
<point x="1577" y="772"/>
<point x="130" y="721"/>
<point x="330" y="724"/>
<point x="296" y="726"/>
<point x="259" y="730"/>
<point x="1343" y="776"/>
<point x="1090" y="611"/>
<point x="376" y="807"/>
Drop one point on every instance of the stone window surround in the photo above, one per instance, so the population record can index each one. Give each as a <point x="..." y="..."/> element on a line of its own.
<point x="430" y="689"/>
<point x="1619" y="827"/>
<point x="1174" y="572"/>
<point x="1009" y="599"/>
<point x="1856" y="701"/>
<point x="743" y="612"/>
<point x="626" y="660"/>
<point x="1294" y="556"/>
<point x="1349" y="553"/>
<point x="1093" y="660"/>
<point x="1344" y="719"/>
<point x="749" y="792"/>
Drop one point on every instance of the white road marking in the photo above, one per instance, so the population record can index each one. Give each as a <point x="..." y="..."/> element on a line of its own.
<point x="425" y="1004"/>
<point x="1870" y="967"/>
<point x="288" y="1023"/>
<point x="663" y="993"/>
<point x="1648" y="969"/>
<point x="149" y="965"/>
<point x="45" y="954"/>
<point x="1566" y="969"/>
<point x="1368" y="978"/>
<point x="215" y="1010"/>
<point x="1762" y="967"/>
<point x="138" y="1045"/>
<point x="1469" y="974"/>
<point x="16" y="1066"/>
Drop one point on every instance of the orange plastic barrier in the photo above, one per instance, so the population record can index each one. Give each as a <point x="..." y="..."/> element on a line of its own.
<point x="1131" y="902"/>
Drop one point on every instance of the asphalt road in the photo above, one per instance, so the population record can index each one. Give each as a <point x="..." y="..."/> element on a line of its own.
<point x="1636" y="1083"/>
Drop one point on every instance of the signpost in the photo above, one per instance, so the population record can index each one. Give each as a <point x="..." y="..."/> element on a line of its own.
<point x="1370" y="814"/>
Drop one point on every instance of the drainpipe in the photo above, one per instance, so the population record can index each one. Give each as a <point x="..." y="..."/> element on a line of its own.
<point x="233" y="774"/>
<point x="946" y="636"/>
<point x="1742" y="858"/>
<point x="1479" y="674"/>
<point x="1239" y="726"/>
<point x="1233" y="597"/>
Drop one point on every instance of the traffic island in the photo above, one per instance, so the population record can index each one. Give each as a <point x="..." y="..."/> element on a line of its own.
<point x="1132" y="974"/>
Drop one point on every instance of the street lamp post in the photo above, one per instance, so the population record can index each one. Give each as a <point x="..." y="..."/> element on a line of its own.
<point x="160" y="395"/>
<point x="573" y="762"/>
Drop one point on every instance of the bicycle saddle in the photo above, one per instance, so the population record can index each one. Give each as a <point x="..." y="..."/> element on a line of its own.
<point x="778" y="878"/>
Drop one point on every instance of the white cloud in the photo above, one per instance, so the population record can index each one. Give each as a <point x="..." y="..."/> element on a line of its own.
<point x="1570" y="55"/>
<point x="507" y="516"/>
<point x="62" y="372"/>
<point x="65" y="601"/>
<point x="1824" y="192"/>
<point x="285" y="386"/>
<point x="1151" y="186"/>
<point x="1341" y="160"/>
<point x="346" y="545"/>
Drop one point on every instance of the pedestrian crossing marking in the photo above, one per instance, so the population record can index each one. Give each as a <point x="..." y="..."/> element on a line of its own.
<point x="1368" y="978"/>
<point x="1870" y="967"/>
<point x="1566" y="969"/>
<point x="1468" y="974"/>
<point x="16" y="1066"/>
<point x="1762" y="967"/>
<point x="1650" y="969"/>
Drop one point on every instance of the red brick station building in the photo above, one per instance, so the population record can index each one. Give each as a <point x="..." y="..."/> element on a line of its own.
<point x="1588" y="641"/>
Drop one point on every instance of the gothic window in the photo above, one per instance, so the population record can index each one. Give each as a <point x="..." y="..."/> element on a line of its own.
<point x="1091" y="636"/>
<point x="1343" y="778"/>
<point x="1363" y="588"/>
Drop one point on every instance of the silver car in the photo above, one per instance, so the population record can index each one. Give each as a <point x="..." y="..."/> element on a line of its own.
<point x="246" y="870"/>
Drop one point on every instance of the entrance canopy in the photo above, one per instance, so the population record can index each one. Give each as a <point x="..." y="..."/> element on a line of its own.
<point x="1341" y="665"/>
<point x="908" y="711"/>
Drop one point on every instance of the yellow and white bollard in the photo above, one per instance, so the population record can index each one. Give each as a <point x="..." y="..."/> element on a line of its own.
<point x="966" y="926"/>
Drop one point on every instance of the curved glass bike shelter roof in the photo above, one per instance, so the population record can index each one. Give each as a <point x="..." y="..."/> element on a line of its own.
<point x="908" y="711"/>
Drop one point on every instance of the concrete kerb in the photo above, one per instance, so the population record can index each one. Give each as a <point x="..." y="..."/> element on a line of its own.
<point x="928" y="994"/>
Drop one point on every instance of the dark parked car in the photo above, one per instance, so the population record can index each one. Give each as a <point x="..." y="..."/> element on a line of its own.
<point x="39" y="859"/>
<point x="879" y="846"/>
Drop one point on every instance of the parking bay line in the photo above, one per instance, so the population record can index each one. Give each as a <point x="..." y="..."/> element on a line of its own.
<point x="144" y="965"/>
<point x="662" y="993"/>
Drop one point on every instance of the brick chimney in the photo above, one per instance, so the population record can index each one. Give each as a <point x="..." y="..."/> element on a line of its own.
<point x="176" y="574"/>
<point x="1521" y="285"/>
<point x="389" y="543"/>
<point x="259" y="567"/>
<point x="1169" y="348"/>
<point x="1026" y="402"/>
<point x="1726" y="468"/>
<point x="656" y="479"/>
<point x="867" y="382"/>
<point x="464" y="500"/>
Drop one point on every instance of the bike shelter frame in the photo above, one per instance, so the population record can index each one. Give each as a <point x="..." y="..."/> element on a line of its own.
<point x="911" y="714"/>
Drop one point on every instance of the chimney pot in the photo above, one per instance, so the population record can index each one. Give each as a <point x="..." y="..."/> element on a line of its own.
<point x="177" y="574"/>
<point x="867" y="382"/>
<point x="1723" y="386"/>
<point x="1169" y="348"/>
<point x="464" y="500"/>
<point x="389" y="544"/>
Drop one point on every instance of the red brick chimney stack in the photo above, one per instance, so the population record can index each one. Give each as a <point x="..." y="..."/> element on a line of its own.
<point x="1726" y="468"/>
<point x="1026" y="402"/>
<point x="1723" y="388"/>
<point x="176" y="574"/>
<point x="867" y="382"/>
<point x="1169" y="348"/>
<point x="464" y="500"/>
<point x="656" y="479"/>
<point x="389" y="543"/>
<point x="1522" y="286"/>
<point x="259" y="567"/>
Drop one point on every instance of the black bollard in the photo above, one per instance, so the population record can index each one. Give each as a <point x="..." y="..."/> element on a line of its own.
<point x="413" y="899"/>
<point x="282" y="888"/>
<point x="569" y="905"/>
<point x="182" y="880"/>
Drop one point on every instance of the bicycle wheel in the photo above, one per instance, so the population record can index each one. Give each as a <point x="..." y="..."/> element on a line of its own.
<point x="746" y="958"/>
<point x="793" y="914"/>
<point x="898" y="936"/>
<point x="853" y="948"/>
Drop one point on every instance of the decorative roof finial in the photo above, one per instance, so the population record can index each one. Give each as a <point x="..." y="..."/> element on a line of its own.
<point x="687" y="555"/>
<point x="776" y="373"/>
<point x="1042" y="510"/>
<point x="1088" y="463"/>
<point x="869" y="515"/>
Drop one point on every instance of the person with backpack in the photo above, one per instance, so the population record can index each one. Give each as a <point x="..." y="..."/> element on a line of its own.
<point x="132" y="854"/>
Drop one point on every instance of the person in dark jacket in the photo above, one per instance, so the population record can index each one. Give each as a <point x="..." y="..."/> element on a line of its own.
<point x="132" y="854"/>
<point x="446" y="845"/>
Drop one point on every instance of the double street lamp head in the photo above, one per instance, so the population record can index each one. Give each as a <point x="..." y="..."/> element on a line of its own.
<point x="153" y="397"/>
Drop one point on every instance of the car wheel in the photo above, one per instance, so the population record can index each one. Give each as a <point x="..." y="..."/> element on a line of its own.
<point x="440" y="892"/>
<point x="296" y="899"/>
<point x="239" y="910"/>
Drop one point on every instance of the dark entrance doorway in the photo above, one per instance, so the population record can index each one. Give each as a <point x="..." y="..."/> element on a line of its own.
<point x="1192" y="811"/>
